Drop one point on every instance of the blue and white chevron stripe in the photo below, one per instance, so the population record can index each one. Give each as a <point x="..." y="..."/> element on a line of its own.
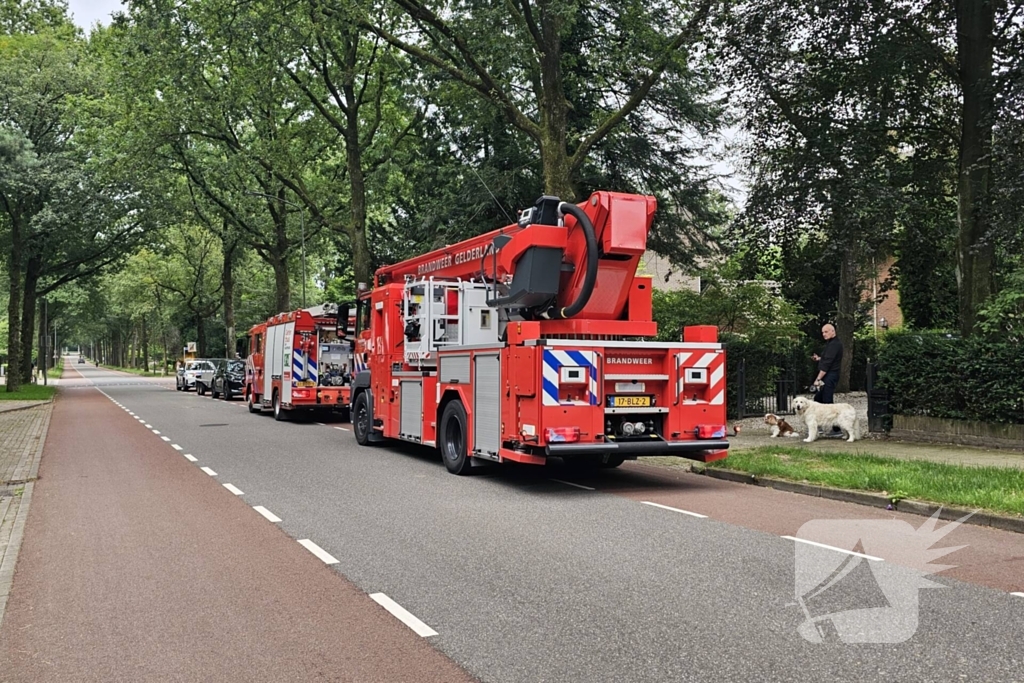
<point x="553" y="362"/>
<point x="300" y="366"/>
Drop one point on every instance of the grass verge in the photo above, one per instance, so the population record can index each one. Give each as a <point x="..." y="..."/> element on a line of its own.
<point x="996" y="489"/>
<point x="28" y="392"/>
<point x="55" y="372"/>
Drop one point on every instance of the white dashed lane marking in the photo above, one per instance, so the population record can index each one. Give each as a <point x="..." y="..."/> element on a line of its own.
<point x="318" y="551"/>
<point x="579" y="486"/>
<point x="208" y="471"/>
<point x="190" y="457"/>
<point x="266" y="513"/>
<point x="403" y="615"/>
<point x="234" y="489"/>
<point x="177" y="447"/>
<point x="832" y="547"/>
<point x="666" y="507"/>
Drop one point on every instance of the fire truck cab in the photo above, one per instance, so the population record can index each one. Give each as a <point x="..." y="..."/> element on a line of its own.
<point x="300" y="360"/>
<point x="535" y="341"/>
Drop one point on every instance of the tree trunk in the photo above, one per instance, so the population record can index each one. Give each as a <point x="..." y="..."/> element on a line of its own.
<point x="228" y="284"/>
<point x="846" y="320"/>
<point x="282" y="287"/>
<point x="28" y="317"/>
<point x="362" y="265"/>
<point x="44" y="360"/>
<point x="975" y="255"/>
<point x="145" y="346"/>
<point x="554" y="113"/>
<point x="14" y="276"/>
<point x="200" y="335"/>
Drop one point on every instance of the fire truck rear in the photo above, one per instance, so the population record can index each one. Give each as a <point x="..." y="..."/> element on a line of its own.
<point x="532" y="342"/>
<point x="300" y="360"/>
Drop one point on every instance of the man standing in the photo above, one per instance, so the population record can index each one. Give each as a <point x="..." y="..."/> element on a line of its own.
<point x="829" y="361"/>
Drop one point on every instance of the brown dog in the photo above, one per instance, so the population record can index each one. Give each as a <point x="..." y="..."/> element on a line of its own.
<point x="779" y="426"/>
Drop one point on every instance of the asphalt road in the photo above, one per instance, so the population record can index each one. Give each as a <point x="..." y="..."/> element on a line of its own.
<point x="526" y="578"/>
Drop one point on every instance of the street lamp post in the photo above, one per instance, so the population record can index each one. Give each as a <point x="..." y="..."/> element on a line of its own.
<point x="302" y="224"/>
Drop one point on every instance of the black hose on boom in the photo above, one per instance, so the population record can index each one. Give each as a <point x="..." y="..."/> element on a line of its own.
<point x="590" y="279"/>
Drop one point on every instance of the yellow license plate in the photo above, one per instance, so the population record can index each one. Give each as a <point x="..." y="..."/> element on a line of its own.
<point x="632" y="401"/>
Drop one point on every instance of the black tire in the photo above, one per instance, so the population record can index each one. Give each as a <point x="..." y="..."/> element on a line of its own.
<point x="253" y="406"/>
<point x="227" y="393"/>
<point x="452" y="438"/>
<point x="613" y="461"/>
<point x="280" y="414"/>
<point x="213" y="391"/>
<point x="362" y="418"/>
<point x="200" y="388"/>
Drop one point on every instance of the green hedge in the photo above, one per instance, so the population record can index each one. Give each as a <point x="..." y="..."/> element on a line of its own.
<point x="940" y="375"/>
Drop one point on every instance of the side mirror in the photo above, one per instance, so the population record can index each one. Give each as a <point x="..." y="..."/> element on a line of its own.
<point x="342" y="324"/>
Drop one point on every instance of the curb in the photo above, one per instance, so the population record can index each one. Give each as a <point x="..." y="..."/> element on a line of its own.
<point x="10" y="557"/>
<point x="34" y="405"/>
<point x="916" y="507"/>
<point x="12" y="545"/>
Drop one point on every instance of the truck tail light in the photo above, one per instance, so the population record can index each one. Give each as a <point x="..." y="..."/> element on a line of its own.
<point x="710" y="431"/>
<point x="300" y="393"/>
<point x="562" y="434"/>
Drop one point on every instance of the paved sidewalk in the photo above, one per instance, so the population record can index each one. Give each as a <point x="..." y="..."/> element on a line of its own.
<point x="21" y="439"/>
<point x="22" y="434"/>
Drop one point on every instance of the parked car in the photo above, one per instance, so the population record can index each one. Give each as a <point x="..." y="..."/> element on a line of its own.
<point x="190" y="373"/>
<point x="204" y="374"/>
<point x="228" y="379"/>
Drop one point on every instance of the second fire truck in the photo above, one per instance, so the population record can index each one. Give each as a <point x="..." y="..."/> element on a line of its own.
<point x="535" y="341"/>
<point x="300" y="361"/>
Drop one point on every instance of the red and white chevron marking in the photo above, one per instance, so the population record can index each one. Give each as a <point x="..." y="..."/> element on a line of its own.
<point x="714" y="361"/>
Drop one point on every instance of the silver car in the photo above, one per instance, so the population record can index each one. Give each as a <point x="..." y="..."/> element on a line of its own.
<point x="187" y="379"/>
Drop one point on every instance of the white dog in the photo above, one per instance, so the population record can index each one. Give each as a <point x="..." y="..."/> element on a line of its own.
<point x="825" y="415"/>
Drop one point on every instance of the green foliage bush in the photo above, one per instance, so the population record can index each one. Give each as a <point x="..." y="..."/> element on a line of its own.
<point x="755" y="325"/>
<point x="941" y="375"/>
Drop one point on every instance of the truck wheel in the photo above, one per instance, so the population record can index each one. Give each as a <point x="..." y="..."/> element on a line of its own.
<point x="253" y="406"/>
<point x="279" y="412"/>
<point x="362" y="418"/>
<point x="613" y="461"/>
<point x="452" y="441"/>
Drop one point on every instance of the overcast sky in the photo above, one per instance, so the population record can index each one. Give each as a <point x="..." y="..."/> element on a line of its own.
<point x="88" y="12"/>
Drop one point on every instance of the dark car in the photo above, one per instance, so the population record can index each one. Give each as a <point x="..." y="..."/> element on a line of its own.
<point x="228" y="379"/>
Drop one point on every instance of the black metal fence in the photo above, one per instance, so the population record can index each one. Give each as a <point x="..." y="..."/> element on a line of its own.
<point x="879" y="418"/>
<point x="771" y="390"/>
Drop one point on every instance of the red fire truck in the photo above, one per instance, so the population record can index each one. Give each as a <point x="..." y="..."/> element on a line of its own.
<point x="300" y="360"/>
<point x="533" y="341"/>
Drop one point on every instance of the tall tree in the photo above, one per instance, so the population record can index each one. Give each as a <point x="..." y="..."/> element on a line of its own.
<point x="514" y="56"/>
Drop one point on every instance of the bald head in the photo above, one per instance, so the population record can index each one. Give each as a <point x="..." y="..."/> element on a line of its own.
<point x="828" y="331"/>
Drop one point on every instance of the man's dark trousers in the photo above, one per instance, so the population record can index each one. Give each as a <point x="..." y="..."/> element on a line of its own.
<point x="826" y="392"/>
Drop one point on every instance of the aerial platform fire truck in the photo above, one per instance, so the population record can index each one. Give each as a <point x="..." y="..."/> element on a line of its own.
<point x="531" y="342"/>
<point x="300" y="360"/>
